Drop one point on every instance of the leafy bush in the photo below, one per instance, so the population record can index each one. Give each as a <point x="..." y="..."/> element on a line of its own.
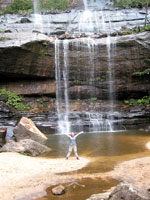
<point x="18" y="6"/>
<point x="2" y="38"/>
<point x="131" y="3"/>
<point x="140" y="102"/>
<point x="26" y="6"/>
<point x="140" y="74"/>
<point x="13" y="100"/>
<point x="53" y="4"/>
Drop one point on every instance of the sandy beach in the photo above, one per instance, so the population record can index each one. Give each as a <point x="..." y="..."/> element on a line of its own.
<point x="136" y="172"/>
<point x="23" y="177"/>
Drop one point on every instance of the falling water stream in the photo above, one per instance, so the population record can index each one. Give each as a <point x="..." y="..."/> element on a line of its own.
<point x="62" y="98"/>
<point x="90" y="23"/>
<point x="38" y="21"/>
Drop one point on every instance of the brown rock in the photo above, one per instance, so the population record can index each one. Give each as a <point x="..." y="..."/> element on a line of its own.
<point x="59" y="190"/>
<point x="3" y="132"/>
<point x="29" y="87"/>
<point x="27" y="146"/>
<point x="26" y="129"/>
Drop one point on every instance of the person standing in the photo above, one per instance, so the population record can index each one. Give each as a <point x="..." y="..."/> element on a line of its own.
<point x="73" y="145"/>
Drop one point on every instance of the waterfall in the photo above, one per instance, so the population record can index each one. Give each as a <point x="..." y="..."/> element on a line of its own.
<point x="38" y="21"/>
<point x="62" y="95"/>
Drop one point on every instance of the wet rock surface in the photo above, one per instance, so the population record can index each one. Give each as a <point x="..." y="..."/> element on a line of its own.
<point x="69" y="20"/>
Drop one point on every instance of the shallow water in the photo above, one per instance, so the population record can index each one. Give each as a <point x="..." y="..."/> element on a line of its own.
<point x="105" y="150"/>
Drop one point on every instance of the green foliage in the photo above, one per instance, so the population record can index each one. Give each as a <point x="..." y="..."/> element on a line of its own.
<point x="26" y="6"/>
<point x="131" y="3"/>
<point x="53" y="4"/>
<point x="2" y="38"/>
<point x="147" y="28"/>
<point x="140" y="102"/>
<point x="20" y="6"/>
<point x="93" y="99"/>
<point x="140" y="74"/>
<point x="147" y="60"/>
<point x="136" y="30"/>
<point x="13" y="100"/>
<point x="45" y="44"/>
<point x="42" y="102"/>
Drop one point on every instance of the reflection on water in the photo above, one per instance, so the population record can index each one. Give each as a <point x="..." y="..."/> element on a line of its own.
<point x="82" y="189"/>
<point x="105" y="151"/>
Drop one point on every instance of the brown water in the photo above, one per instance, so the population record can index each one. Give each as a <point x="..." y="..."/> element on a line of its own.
<point x="105" y="150"/>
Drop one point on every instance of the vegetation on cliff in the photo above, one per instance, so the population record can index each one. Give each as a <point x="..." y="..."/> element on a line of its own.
<point x="145" y="101"/>
<point x="26" y="6"/>
<point x="131" y="3"/>
<point x="13" y="100"/>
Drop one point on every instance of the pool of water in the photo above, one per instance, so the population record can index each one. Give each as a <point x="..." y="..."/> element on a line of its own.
<point x="105" y="151"/>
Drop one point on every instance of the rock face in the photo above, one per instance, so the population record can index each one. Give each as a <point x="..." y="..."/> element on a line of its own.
<point x="31" y="60"/>
<point x="128" y="192"/>
<point x="26" y="146"/>
<point x="59" y="190"/>
<point x="2" y="134"/>
<point x="31" y="87"/>
<point x="26" y="129"/>
<point x="89" y="62"/>
<point x="123" y="191"/>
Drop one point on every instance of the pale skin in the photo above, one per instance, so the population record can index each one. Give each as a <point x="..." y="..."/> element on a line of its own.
<point x="73" y="147"/>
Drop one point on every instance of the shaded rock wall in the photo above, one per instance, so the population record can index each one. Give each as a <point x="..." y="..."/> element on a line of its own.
<point x="88" y="67"/>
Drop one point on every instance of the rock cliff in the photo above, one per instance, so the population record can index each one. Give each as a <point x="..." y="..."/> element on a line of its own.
<point x="32" y="63"/>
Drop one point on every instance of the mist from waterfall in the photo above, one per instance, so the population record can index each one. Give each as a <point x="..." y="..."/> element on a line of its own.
<point x="92" y="21"/>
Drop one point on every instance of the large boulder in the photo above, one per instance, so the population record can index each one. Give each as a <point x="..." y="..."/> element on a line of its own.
<point x="26" y="129"/>
<point x="123" y="191"/>
<point x="128" y="192"/>
<point x="26" y="146"/>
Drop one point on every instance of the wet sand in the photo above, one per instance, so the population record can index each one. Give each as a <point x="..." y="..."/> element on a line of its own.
<point x="23" y="177"/>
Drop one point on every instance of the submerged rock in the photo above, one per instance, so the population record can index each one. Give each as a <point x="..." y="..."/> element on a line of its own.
<point x="27" y="146"/>
<point x="59" y="190"/>
<point x="26" y="129"/>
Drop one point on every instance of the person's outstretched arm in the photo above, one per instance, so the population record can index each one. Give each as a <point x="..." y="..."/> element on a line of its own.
<point x="79" y="133"/>
<point x="67" y="135"/>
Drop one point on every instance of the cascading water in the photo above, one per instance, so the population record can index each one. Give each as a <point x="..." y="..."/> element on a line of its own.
<point x="90" y="22"/>
<point x="38" y="21"/>
<point x="62" y="97"/>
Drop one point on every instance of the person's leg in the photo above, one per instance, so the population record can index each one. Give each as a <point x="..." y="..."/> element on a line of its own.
<point x="69" y="152"/>
<point x="75" y="152"/>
